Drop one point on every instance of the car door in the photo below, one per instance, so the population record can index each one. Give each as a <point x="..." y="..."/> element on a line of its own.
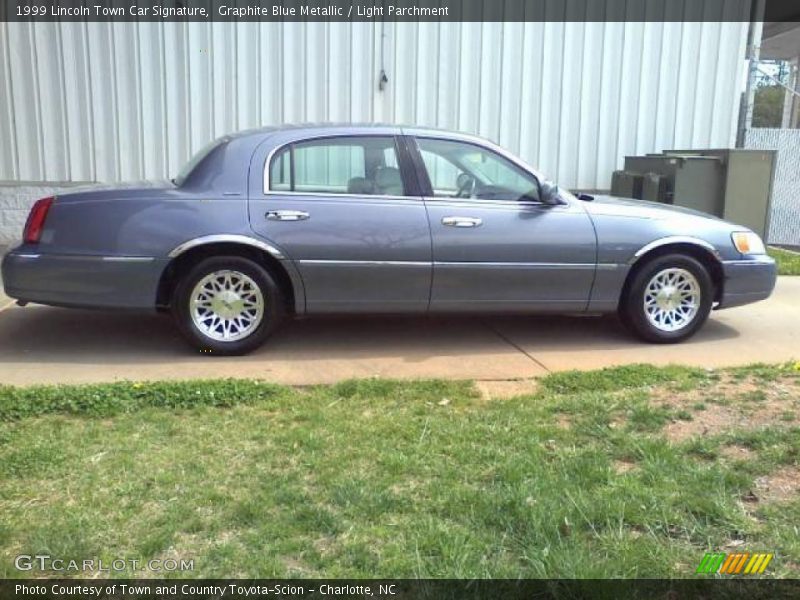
<point x="341" y="210"/>
<point x="496" y="246"/>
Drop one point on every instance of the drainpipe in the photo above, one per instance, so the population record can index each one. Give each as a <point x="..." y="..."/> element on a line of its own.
<point x="753" y="53"/>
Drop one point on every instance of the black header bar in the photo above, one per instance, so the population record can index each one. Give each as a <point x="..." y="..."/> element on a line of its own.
<point x="398" y="10"/>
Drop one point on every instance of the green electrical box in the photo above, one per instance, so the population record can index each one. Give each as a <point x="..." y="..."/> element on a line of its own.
<point x="655" y="187"/>
<point x="747" y="185"/>
<point x="730" y="183"/>
<point x="626" y="184"/>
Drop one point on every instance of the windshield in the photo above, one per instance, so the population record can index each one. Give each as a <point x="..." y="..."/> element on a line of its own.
<point x="196" y="160"/>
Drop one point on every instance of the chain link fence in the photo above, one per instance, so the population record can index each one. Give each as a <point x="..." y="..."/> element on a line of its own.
<point x="784" y="223"/>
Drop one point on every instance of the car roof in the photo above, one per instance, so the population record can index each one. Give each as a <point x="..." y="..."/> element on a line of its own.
<point x="240" y="147"/>
<point x="312" y="129"/>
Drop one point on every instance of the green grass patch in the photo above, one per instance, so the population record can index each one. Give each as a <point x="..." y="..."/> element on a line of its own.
<point x="788" y="262"/>
<point x="618" y="378"/>
<point x="378" y="478"/>
<point x="111" y="399"/>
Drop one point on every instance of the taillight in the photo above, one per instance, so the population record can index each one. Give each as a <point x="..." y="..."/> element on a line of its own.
<point x="35" y="222"/>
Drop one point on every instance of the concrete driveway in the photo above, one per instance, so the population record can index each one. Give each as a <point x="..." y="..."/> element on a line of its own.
<point x="50" y="345"/>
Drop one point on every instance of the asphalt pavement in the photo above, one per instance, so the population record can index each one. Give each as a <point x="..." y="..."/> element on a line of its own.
<point x="51" y="345"/>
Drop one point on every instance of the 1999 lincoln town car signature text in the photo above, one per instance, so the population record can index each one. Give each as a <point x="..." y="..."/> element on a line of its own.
<point x="376" y="219"/>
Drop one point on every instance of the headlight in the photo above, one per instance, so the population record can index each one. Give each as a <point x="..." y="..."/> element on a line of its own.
<point x="748" y="242"/>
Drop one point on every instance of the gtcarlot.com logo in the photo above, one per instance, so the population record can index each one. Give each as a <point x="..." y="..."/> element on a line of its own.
<point x="740" y="563"/>
<point x="45" y="562"/>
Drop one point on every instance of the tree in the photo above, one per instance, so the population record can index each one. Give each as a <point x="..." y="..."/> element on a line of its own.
<point x="768" y="106"/>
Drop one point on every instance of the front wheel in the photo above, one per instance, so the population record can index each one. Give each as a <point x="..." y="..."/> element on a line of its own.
<point x="668" y="299"/>
<point x="227" y="305"/>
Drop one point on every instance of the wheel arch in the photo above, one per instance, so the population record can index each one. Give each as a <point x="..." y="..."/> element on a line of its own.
<point x="188" y="254"/>
<point x="700" y="250"/>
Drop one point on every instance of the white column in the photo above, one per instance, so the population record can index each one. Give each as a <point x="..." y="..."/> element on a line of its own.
<point x="788" y="97"/>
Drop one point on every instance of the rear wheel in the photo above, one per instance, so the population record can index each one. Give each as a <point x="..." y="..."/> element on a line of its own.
<point x="227" y="305"/>
<point x="668" y="299"/>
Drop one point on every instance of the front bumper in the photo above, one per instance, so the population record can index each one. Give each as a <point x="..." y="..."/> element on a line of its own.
<point x="747" y="280"/>
<point x="85" y="281"/>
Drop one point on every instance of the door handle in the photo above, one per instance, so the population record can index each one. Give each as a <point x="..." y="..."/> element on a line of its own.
<point x="462" y="221"/>
<point x="287" y="215"/>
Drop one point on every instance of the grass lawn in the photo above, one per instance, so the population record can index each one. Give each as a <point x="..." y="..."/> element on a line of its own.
<point x="628" y="472"/>
<point x="788" y="262"/>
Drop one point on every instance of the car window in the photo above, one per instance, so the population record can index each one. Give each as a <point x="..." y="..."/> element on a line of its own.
<point x="348" y="165"/>
<point x="280" y="175"/>
<point x="462" y="170"/>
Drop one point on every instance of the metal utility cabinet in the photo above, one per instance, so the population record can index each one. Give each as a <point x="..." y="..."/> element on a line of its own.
<point x="733" y="184"/>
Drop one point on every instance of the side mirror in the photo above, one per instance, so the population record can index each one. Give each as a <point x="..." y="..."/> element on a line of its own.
<point x="548" y="193"/>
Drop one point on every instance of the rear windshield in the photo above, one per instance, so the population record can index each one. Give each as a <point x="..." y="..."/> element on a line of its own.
<point x="197" y="159"/>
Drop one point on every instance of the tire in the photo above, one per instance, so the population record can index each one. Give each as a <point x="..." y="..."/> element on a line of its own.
<point x="239" y="305"/>
<point x="679" y="294"/>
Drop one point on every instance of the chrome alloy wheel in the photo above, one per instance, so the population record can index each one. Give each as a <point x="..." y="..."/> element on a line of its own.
<point x="671" y="299"/>
<point x="226" y="306"/>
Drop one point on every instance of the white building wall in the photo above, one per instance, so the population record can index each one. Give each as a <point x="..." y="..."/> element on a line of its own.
<point x="128" y="101"/>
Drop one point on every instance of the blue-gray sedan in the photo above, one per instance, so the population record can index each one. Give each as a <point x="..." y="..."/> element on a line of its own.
<point x="376" y="219"/>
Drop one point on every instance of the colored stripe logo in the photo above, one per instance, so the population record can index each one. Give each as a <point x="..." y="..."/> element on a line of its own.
<point x="740" y="563"/>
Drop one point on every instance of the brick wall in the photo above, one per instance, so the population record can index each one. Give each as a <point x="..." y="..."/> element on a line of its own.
<point x="16" y="199"/>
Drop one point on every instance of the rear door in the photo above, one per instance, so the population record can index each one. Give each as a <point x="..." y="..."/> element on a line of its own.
<point x="343" y="210"/>
<point x="496" y="247"/>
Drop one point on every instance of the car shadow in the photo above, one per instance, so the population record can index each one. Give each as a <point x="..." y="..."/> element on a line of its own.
<point x="37" y="334"/>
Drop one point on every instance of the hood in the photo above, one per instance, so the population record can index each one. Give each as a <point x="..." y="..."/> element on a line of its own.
<point x="642" y="209"/>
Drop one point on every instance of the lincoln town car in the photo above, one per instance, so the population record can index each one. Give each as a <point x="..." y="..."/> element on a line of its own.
<point x="272" y="223"/>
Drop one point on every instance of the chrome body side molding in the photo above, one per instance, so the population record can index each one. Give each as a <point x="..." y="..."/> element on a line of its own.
<point x="674" y="239"/>
<point x="225" y="238"/>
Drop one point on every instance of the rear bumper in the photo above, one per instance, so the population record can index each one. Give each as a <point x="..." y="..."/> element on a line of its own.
<point x="748" y="280"/>
<point x="84" y="281"/>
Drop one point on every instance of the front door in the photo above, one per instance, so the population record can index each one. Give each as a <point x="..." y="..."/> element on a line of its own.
<point x="496" y="246"/>
<point x="338" y="207"/>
